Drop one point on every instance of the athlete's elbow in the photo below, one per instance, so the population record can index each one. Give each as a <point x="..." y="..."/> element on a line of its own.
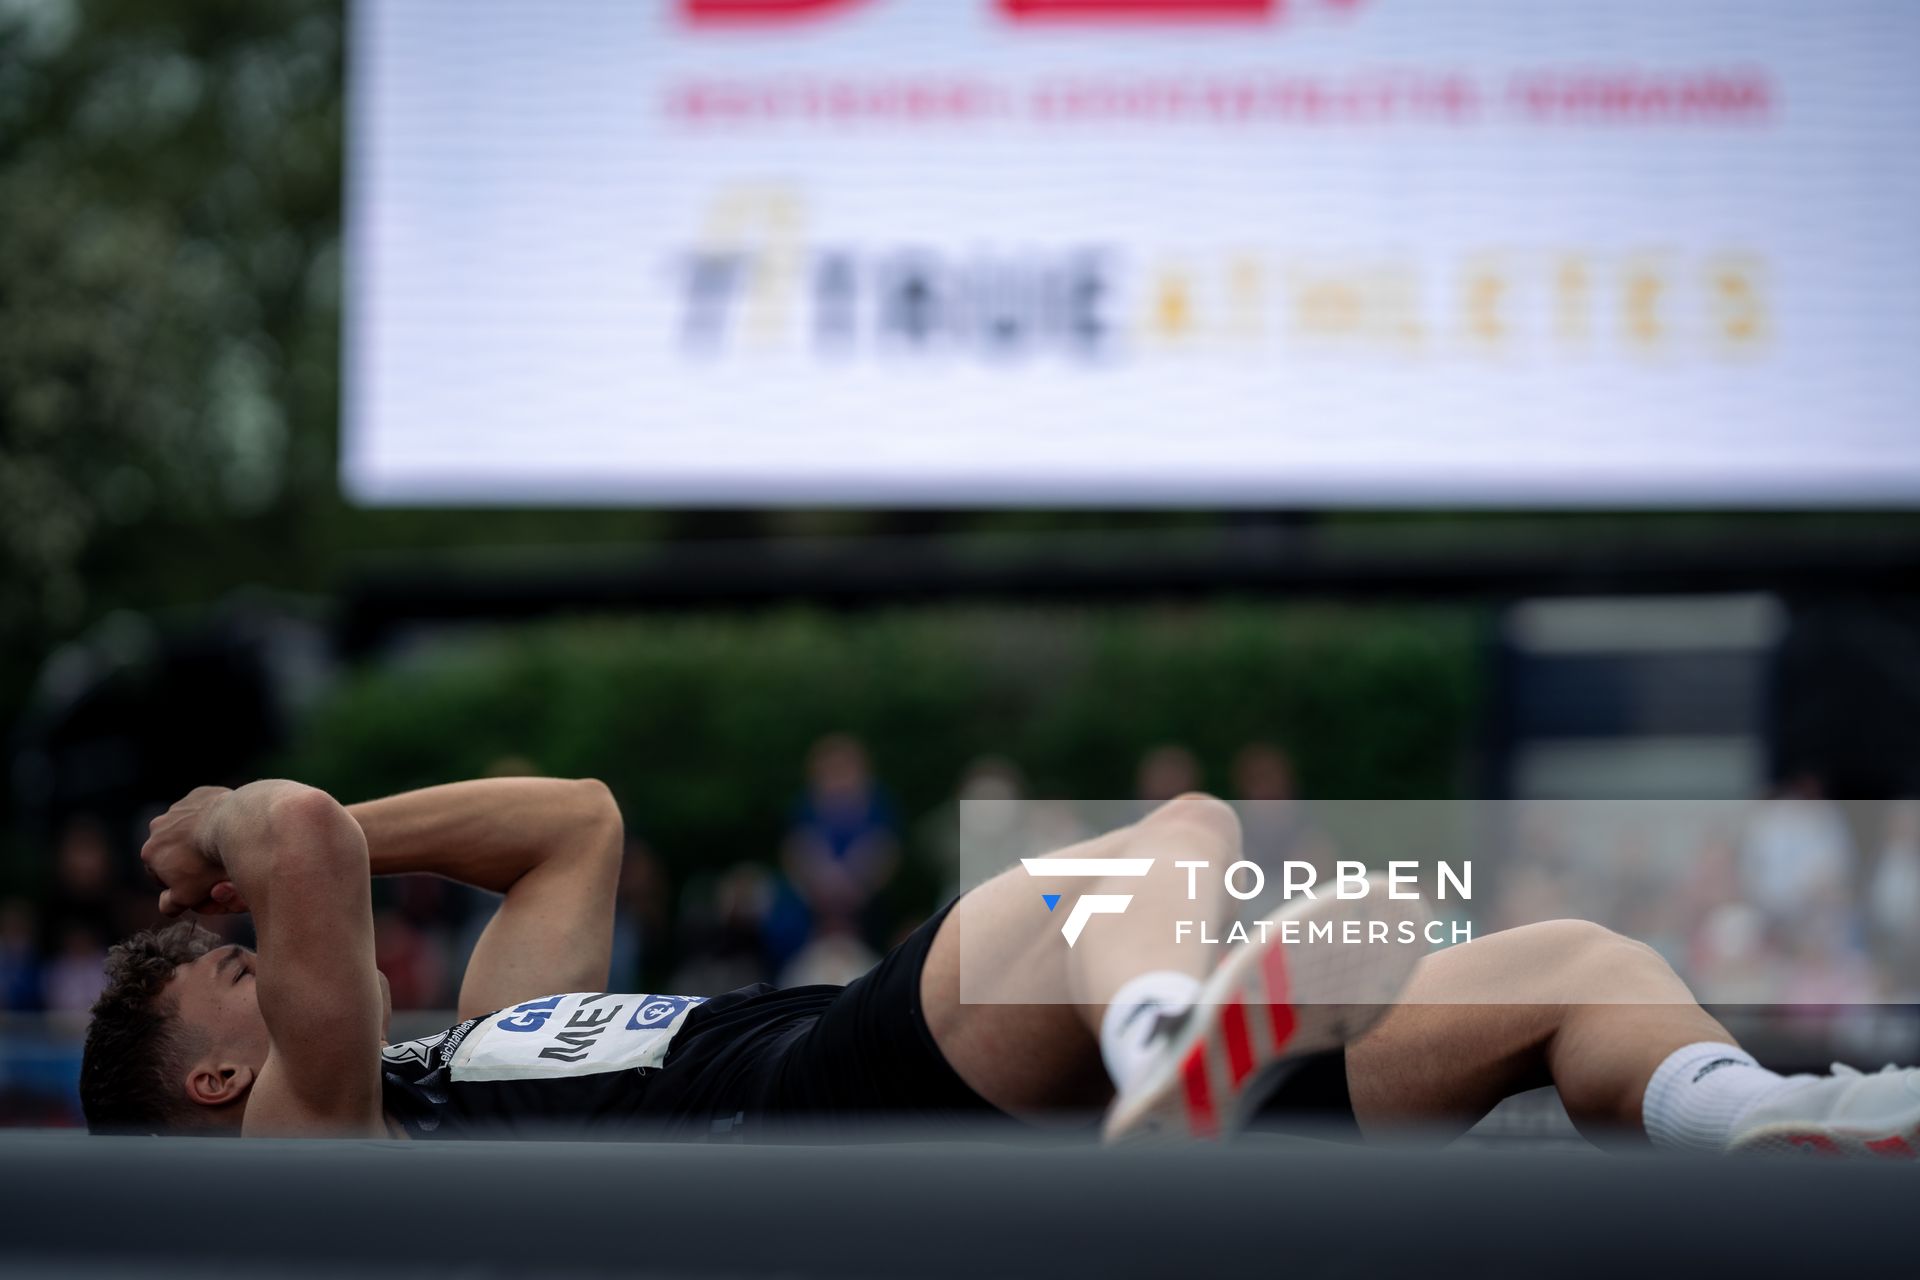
<point x="307" y="818"/>
<point x="594" y="801"/>
<point x="600" y="814"/>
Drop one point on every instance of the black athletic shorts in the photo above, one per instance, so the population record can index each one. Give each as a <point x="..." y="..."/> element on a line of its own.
<point x="742" y="1066"/>
<point x="870" y="1054"/>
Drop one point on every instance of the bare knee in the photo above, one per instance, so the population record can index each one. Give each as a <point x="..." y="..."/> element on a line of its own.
<point x="1584" y="941"/>
<point x="1590" y="963"/>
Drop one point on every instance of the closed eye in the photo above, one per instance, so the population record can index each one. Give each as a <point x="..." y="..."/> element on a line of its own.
<point x="235" y="961"/>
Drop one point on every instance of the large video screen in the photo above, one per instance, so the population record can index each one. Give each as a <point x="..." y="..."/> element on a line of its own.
<point x="1110" y="252"/>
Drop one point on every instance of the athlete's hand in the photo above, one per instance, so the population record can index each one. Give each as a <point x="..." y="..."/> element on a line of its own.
<point x="179" y="854"/>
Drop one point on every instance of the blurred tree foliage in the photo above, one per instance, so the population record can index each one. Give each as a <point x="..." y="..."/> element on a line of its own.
<point x="700" y="724"/>
<point x="169" y="317"/>
<point x="168" y="305"/>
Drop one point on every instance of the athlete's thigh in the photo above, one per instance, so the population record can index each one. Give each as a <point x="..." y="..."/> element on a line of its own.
<point x="1026" y="1058"/>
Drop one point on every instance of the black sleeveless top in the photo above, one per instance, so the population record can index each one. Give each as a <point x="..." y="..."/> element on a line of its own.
<point x="601" y="1064"/>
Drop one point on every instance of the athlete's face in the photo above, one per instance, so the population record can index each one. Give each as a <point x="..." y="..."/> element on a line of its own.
<point x="218" y="1003"/>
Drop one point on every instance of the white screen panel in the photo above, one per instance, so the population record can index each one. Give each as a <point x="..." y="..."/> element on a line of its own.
<point x="1310" y="252"/>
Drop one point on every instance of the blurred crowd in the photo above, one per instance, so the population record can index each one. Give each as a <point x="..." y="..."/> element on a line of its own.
<point x="1796" y="899"/>
<point x="1791" y="900"/>
<point x="852" y="875"/>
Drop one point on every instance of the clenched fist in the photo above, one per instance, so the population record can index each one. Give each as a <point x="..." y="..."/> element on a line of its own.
<point x="180" y="854"/>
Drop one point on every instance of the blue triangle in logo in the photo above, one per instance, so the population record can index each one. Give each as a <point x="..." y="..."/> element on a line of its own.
<point x="1051" y="899"/>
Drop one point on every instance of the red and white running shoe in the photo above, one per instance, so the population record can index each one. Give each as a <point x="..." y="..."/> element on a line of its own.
<point x="1268" y="1005"/>
<point x="1847" y="1113"/>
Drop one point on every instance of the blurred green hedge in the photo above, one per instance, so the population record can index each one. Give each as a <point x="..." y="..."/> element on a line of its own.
<point x="700" y="724"/>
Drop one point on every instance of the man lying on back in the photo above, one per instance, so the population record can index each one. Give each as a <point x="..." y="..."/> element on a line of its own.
<point x="193" y="1037"/>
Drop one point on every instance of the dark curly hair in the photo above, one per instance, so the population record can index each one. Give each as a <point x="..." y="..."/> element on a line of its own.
<point x="136" y="1046"/>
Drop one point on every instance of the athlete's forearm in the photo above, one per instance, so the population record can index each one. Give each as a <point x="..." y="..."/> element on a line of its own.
<point x="492" y="831"/>
<point x="298" y="861"/>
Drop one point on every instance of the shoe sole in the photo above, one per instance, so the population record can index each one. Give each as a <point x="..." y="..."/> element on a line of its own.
<point x="1266" y="1007"/>
<point x="1787" y="1138"/>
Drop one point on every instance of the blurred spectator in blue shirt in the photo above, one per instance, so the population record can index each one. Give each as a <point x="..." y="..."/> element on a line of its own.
<point x="843" y="845"/>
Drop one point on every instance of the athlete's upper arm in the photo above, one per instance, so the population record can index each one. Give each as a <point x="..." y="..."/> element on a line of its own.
<point x="318" y="990"/>
<point x="554" y="930"/>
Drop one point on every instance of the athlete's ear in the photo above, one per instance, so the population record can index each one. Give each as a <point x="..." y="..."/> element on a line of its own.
<point x="215" y="1084"/>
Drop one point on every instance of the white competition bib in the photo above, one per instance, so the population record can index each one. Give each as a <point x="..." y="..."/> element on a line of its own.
<point x="579" y="1034"/>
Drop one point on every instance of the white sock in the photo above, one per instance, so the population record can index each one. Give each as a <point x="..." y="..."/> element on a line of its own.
<point x="1699" y="1095"/>
<point x="1127" y="1042"/>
